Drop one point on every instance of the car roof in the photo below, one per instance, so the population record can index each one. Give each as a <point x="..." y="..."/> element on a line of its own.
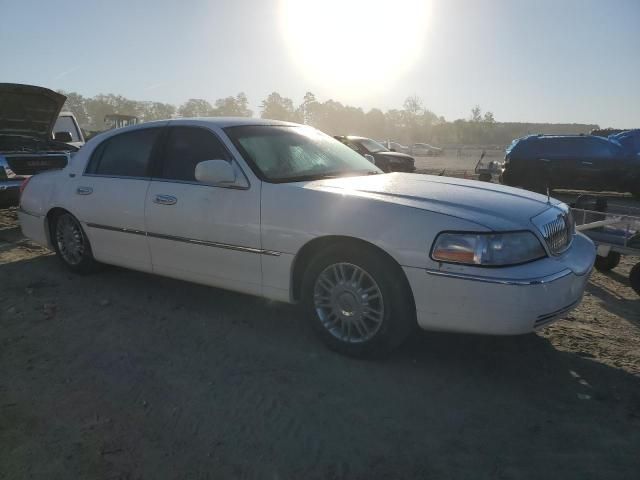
<point x="224" y="122"/>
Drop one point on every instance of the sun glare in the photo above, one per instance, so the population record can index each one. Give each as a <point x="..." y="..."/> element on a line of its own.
<point x="354" y="47"/>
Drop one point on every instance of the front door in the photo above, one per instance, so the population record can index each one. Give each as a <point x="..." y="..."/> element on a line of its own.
<point x="110" y="198"/>
<point x="202" y="233"/>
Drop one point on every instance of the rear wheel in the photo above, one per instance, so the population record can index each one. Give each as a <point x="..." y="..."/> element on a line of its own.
<point x="71" y="244"/>
<point x="634" y="278"/>
<point x="357" y="300"/>
<point x="611" y="261"/>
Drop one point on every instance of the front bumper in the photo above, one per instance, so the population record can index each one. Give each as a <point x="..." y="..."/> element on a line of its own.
<point x="496" y="305"/>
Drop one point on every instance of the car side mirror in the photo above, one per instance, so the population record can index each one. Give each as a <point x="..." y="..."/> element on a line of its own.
<point x="392" y="149"/>
<point x="63" y="137"/>
<point x="215" y="172"/>
<point x="370" y="158"/>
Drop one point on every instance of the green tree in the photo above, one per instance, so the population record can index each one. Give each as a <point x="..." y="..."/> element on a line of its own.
<point x="309" y="109"/>
<point x="277" y="107"/>
<point x="476" y="114"/>
<point x="148" y="111"/>
<point x="196" y="107"/>
<point x="413" y="105"/>
<point x="237" y="106"/>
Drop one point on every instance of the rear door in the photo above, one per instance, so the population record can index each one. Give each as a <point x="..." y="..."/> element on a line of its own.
<point x="110" y="197"/>
<point x="197" y="232"/>
<point x="601" y="165"/>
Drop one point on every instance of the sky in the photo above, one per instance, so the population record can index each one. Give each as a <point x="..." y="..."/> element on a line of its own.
<point x="560" y="61"/>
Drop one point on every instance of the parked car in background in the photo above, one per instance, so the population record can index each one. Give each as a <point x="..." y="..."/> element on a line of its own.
<point x="67" y="122"/>
<point x="425" y="150"/>
<point x="395" y="147"/>
<point x="582" y="162"/>
<point x="27" y="146"/>
<point x="286" y="212"/>
<point x="383" y="158"/>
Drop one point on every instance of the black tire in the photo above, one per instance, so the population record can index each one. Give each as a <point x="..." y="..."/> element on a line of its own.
<point x="82" y="262"/>
<point x="398" y="315"/>
<point x="634" y="278"/>
<point x="611" y="261"/>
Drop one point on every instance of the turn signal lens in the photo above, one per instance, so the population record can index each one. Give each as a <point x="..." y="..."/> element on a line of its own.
<point x="487" y="249"/>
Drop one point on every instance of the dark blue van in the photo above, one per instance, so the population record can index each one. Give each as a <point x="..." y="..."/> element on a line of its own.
<point x="580" y="162"/>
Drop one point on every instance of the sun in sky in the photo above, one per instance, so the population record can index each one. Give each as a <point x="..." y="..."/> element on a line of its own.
<point x="354" y="48"/>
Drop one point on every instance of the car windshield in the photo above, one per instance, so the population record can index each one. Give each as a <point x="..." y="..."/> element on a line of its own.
<point x="372" y="145"/>
<point x="289" y="154"/>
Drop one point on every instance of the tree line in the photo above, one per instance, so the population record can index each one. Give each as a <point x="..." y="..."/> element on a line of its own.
<point x="409" y="124"/>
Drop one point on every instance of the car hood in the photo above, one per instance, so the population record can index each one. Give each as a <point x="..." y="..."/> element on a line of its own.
<point x="403" y="156"/>
<point x="28" y="110"/>
<point x="493" y="206"/>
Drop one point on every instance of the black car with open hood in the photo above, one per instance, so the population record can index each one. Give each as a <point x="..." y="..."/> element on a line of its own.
<point x="27" y="145"/>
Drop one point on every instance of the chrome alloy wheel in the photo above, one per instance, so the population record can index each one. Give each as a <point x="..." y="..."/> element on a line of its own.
<point x="70" y="239"/>
<point x="348" y="302"/>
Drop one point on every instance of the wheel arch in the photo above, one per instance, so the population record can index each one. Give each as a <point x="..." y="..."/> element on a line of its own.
<point x="312" y="248"/>
<point x="48" y="222"/>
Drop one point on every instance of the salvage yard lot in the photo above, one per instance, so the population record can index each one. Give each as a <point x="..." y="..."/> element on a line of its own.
<point x="125" y="375"/>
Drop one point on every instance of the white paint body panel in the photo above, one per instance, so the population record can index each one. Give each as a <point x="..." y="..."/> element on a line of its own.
<point x="117" y="203"/>
<point x="399" y="213"/>
<point x="209" y="214"/>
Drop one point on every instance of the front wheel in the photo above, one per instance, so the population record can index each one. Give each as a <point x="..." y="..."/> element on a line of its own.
<point x="357" y="301"/>
<point x="605" y="264"/>
<point x="72" y="245"/>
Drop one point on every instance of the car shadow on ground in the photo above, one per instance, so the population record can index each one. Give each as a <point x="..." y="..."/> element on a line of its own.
<point x="130" y="374"/>
<point x="629" y="309"/>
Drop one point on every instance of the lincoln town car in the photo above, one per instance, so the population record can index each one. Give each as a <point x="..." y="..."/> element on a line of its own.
<point x="283" y="211"/>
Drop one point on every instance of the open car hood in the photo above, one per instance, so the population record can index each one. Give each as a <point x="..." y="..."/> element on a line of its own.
<point x="28" y="110"/>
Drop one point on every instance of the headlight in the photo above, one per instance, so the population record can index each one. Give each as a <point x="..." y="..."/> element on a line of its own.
<point x="487" y="249"/>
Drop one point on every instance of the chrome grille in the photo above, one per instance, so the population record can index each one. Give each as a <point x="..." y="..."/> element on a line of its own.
<point x="556" y="226"/>
<point x="558" y="233"/>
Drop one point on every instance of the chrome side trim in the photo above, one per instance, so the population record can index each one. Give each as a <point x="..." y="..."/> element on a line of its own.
<point x="501" y="281"/>
<point x="116" y="229"/>
<point x="207" y="243"/>
<point x="193" y="241"/>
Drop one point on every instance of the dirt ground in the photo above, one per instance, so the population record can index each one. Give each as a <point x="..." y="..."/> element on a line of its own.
<point x="124" y="375"/>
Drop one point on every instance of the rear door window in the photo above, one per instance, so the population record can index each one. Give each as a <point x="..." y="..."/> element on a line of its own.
<point x="125" y="155"/>
<point x="597" y="148"/>
<point x="185" y="148"/>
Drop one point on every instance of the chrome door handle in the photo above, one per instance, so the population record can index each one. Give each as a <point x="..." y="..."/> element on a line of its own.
<point x="84" y="190"/>
<point x="165" y="200"/>
<point x="545" y="160"/>
<point x="587" y="163"/>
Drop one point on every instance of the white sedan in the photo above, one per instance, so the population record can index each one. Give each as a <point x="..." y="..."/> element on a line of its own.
<point x="286" y="212"/>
